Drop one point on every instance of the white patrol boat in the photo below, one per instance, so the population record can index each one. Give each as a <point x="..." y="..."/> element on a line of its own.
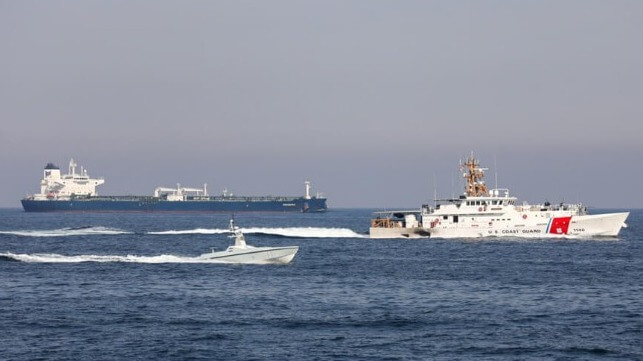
<point x="244" y="253"/>
<point x="493" y="213"/>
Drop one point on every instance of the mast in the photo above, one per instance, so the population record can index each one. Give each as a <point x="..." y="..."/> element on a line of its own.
<point x="239" y="239"/>
<point x="495" y="170"/>
<point x="475" y="186"/>
<point x="307" y="185"/>
<point x="72" y="167"/>
<point x="435" y="191"/>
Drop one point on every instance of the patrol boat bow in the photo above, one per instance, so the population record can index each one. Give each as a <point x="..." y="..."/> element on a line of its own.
<point x="241" y="252"/>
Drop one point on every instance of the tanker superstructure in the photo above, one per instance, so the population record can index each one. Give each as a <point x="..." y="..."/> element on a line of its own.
<point x="77" y="192"/>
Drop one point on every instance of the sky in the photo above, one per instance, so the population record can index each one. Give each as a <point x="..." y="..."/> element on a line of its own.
<point x="375" y="102"/>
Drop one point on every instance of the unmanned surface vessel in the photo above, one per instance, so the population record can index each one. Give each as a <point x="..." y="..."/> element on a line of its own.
<point x="241" y="252"/>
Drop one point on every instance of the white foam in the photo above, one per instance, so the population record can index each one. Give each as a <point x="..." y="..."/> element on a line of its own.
<point x="64" y="232"/>
<point x="307" y="232"/>
<point x="193" y="231"/>
<point x="300" y="232"/>
<point x="58" y="258"/>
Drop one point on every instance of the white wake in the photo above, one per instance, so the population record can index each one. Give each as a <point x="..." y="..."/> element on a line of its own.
<point x="193" y="231"/>
<point x="58" y="258"/>
<point x="298" y="232"/>
<point x="64" y="232"/>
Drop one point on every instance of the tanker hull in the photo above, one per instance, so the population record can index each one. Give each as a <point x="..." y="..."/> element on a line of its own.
<point x="151" y="204"/>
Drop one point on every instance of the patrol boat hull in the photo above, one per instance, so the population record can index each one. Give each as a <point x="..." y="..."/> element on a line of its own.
<point x="577" y="226"/>
<point x="254" y="255"/>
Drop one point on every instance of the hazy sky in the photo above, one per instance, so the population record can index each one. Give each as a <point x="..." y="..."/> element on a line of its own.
<point x="370" y="100"/>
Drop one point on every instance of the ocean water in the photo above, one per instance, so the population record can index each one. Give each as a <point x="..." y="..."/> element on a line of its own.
<point x="130" y="286"/>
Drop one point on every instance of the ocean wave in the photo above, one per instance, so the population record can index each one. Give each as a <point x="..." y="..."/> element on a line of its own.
<point x="58" y="258"/>
<point x="69" y="231"/>
<point x="294" y="232"/>
<point x="192" y="231"/>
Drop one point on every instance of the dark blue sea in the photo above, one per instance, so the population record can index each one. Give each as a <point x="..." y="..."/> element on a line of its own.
<point x="130" y="286"/>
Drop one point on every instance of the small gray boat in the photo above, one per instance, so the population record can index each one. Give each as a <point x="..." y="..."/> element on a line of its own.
<point x="241" y="252"/>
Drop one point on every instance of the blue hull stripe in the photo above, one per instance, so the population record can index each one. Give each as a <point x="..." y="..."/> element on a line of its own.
<point x="549" y="224"/>
<point x="88" y="205"/>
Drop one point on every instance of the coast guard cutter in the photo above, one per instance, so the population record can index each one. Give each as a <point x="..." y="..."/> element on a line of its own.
<point x="483" y="212"/>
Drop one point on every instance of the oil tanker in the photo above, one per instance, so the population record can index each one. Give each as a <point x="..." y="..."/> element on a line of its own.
<point x="76" y="192"/>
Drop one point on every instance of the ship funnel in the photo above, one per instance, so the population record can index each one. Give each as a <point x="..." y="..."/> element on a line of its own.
<point x="51" y="172"/>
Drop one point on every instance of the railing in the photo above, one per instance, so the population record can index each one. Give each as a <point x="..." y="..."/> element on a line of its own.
<point x="543" y="208"/>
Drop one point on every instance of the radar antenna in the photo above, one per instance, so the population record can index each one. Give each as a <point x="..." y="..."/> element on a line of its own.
<point x="475" y="186"/>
